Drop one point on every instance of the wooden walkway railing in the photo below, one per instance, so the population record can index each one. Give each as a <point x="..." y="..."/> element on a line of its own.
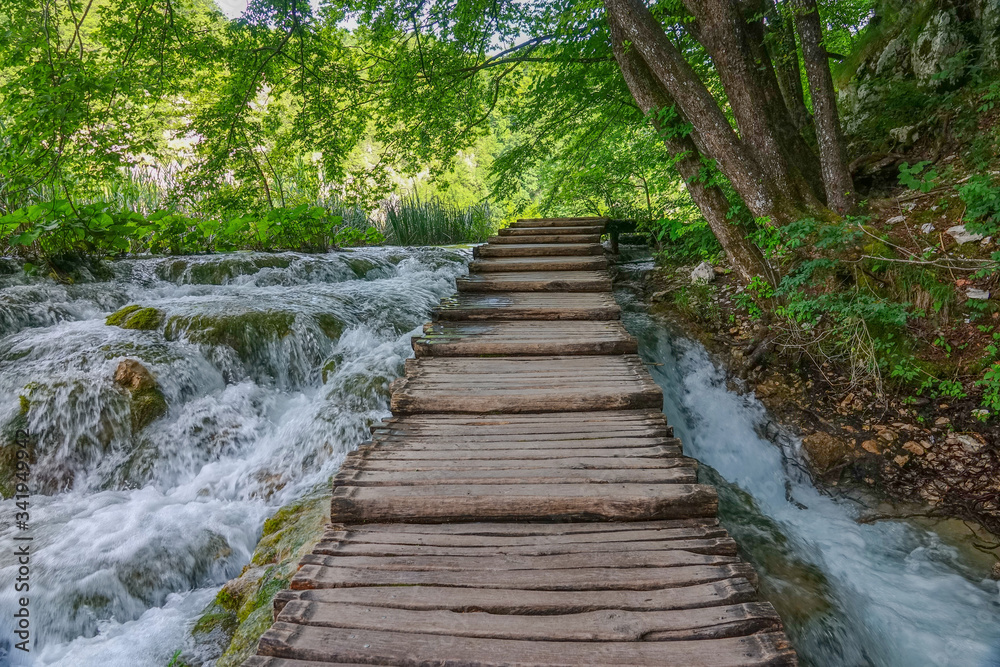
<point x="527" y="503"/>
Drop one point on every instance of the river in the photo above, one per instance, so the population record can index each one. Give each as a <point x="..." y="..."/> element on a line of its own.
<point x="134" y="532"/>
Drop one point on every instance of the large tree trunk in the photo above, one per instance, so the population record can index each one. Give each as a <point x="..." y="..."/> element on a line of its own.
<point x="833" y="154"/>
<point x="651" y="97"/>
<point x="785" y="55"/>
<point x="696" y="103"/>
<point x="750" y="88"/>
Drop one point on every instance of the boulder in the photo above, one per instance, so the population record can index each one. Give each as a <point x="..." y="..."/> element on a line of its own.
<point x="703" y="273"/>
<point x="826" y="451"/>
<point x="147" y="401"/>
<point x="136" y="317"/>
<point x="939" y="41"/>
<point x="977" y="294"/>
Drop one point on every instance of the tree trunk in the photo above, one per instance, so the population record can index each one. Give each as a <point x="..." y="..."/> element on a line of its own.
<point x="785" y="54"/>
<point x="696" y="103"/>
<point x="723" y="31"/>
<point x="833" y="154"/>
<point x="651" y="96"/>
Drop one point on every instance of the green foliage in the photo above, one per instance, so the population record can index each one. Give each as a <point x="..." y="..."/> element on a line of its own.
<point x="684" y="241"/>
<point x="413" y="222"/>
<point x="915" y="178"/>
<point x="982" y="200"/>
<point x="758" y="291"/>
<point x="990" y="385"/>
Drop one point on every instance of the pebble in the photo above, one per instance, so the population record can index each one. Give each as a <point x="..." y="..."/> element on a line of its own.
<point x="927" y="228"/>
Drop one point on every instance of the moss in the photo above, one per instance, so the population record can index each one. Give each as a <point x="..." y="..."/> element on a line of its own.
<point x="242" y="332"/>
<point x="145" y="319"/>
<point x="25" y="404"/>
<point x="329" y="368"/>
<point x="116" y="318"/>
<point x="243" y="608"/>
<point x="8" y="452"/>
<point x="147" y="406"/>
<point x="330" y="325"/>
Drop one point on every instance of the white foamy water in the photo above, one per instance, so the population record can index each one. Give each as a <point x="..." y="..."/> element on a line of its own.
<point x="133" y="533"/>
<point x="893" y="594"/>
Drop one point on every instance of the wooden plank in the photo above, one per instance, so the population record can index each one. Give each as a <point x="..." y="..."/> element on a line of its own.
<point x="522" y="502"/>
<point x="514" y="601"/>
<point x="565" y="458"/>
<point x="286" y="640"/>
<point x="541" y="442"/>
<point x="545" y="239"/>
<point x="527" y="529"/>
<point x="525" y="384"/>
<point x="522" y="563"/>
<point x="550" y="230"/>
<point x="517" y="475"/>
<point x="341" y="544"/>
<point x="527" y="306"/>
<point x="569" y="263"/>
<point x="536" y="281"/>
<point x="527" y="247"/>
<point x="604" y="625"/>
<point x="311" y="576"/>
<point x="560" y="222"/>
<point x="523" y="338"/>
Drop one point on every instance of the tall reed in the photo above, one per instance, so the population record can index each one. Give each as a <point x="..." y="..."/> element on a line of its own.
<point x="410" y="221"/>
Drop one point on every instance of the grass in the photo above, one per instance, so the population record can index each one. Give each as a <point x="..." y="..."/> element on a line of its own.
<point x="410" y="221"/>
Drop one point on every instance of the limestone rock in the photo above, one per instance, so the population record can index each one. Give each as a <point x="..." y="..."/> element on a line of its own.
<point x="826" y="451"/>
<point x="894" y="61"/>
<point x="940" y="40"/>
<point x="927" y="228"/>
<point x="978" y="294"/>
<point x="959" y="233"/>
<point x="703" y="273"/>
<point x="905" y="136"/>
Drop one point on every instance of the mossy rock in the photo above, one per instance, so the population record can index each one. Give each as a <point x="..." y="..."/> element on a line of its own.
<point x="221" y="270"/>
<point x="117" y="318"/>
<point x="330" y="325"/>
<point x="242" y="332"/>
<point x="243" y="607"/>
<point x="330" y="367"/>
<point x="136" y="317"/>
<point x="9" y="449"/>
<point x="360" y="266"/>
<point x="147" y="407"/>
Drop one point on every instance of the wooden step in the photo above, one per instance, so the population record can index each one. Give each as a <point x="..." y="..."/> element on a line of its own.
<point x="471" y="306"/>
<point x="559" y="222"/>
<point x="288" y="640"/>
<point x="525" y="248"/>
<point x="546" y="239"/>
<point x="529" y="384"/>
<point x="473" y="339"/>
<point x="536" y="281"/>
<point x="569" y="263"/>
<point x="536" y="231"/>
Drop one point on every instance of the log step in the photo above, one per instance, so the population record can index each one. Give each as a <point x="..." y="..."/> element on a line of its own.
<point x="570" y="263"/>
<point x="535" y="231"/>
<point x="547" y="239"/>
<point x="465" y="339"/>
<point x="526" y="248"/>
<point x="536" y="281"/>
<point x="528" y="384"/>
<point x="471" y="306"/>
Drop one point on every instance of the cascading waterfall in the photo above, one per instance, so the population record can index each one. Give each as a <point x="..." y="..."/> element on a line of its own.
<point x="888" y="594"/>
<point x="271" y="365"/>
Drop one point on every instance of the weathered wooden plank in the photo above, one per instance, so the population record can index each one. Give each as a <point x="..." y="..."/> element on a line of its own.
<point x="505" y="601"/>
<point x="311" y="576"/>
<point x="540" y="535"/>
<point x="536" y="281"/>
<point x="604" y="625"/>
<point x="565" y="458"/>
<point x="516" y="475"/>
<point x="545" y="239"/>
<point x="528" y="247"/>
<point x="463" y="339"/>
<point x="560" y="222"/>
<point x="338" y="543"/>
<point x="569" y="263"/>
<point x="522" y="502"/>
<point x="521" y="563"/>
<point x="550" y="230"/>
<point x="286" y="640"/>
<point x="527" y="529"/>
<point x="527" y="305"/>
<point x="541" y="442"/>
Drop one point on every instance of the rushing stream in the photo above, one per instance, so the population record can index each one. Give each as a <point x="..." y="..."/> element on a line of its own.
<point x="272" y="367"/>
<point x="888" y="594"/>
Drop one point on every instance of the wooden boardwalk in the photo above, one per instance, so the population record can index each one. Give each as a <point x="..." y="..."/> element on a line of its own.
<point x="527" y="503"/>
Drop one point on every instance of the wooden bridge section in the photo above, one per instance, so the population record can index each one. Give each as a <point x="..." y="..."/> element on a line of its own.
<point x="527" y="503"/>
